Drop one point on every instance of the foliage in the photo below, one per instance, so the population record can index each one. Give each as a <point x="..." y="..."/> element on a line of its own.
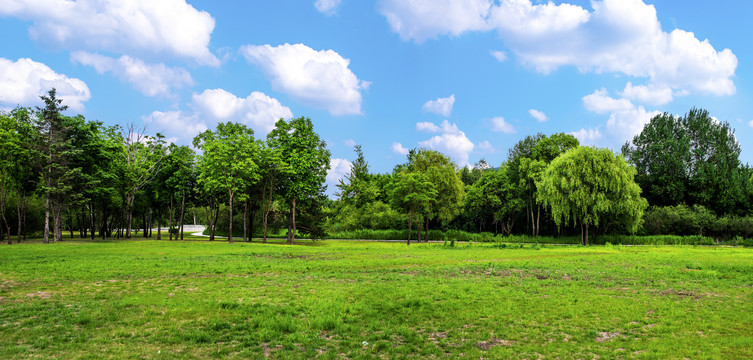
<point x="691" y="159"/>
<point x="587" y="186"/>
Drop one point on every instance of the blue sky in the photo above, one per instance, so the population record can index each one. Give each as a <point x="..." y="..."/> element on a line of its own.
<point x="468" y="78"/>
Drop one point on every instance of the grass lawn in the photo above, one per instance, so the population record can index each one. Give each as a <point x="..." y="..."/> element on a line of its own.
<point x="330" y="299"/>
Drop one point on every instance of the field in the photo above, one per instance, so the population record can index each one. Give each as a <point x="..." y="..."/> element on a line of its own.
<point x="338" y="299"/>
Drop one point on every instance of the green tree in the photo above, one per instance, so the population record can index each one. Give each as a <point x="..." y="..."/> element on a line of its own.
<point x="443" y="174"/>
<point x="273" y="170"/>
<point x="585" y="185"/>
<point x="227" y="163"/>
<point x="494" y="197"/>
<point x="141" y="158"/>
<point x="307" y="157"/>
<point x="691" y="159"/>
<point x="412" y="192"/>
<point x="358" y="188"/>
<point x="27" y="164"/>
<point x="11" y="147"/>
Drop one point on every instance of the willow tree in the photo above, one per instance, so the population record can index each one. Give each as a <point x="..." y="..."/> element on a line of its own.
<point x="227" y="163"/>
<point x="585" y="186"/>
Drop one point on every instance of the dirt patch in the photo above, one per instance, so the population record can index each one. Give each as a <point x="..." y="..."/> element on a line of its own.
<point x="436" y="337"/>
<point x="40" y="294"/>
<point x="486" y="345"/>
<point x="607" y="336"/>
<point x="268" y="350"/>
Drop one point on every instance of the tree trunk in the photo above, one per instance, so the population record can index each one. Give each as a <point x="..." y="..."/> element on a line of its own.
<point x="418" y="227"/>
<point x="170" y="212"/>
<point x="245" y="221"/>
<point x="47" y="216"/>
<point x="230" y="232"/>
<point x="426" y="233"/>
<point x="150" y="222"/>
<point x="410" y="223"/>
<point x="586" y="243"/>
<point x="2" y="211"/>
<point x="182" y="211"/>
<point x="214" y="219"/>
<point x="159" y="224"/>
<point x="93" y="221"/>
<point x="538" y="219"/>
<point x="18" y="212"/>
<point x="291" y="226"/>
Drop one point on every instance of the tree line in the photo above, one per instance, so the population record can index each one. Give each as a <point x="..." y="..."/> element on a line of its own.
<point x="680" y="175"/>
<point x="109" y="180"/>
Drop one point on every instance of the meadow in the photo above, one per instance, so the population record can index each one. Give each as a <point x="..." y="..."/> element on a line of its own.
<point x="345" y="299"/>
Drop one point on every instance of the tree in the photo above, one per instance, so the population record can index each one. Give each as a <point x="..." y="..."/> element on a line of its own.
<point x="357" y="188"/>
<point x="27" y="164"/>
<point x="690" y="159"/>
<point x="494" y="197"/>
<point x="443" y="174"/>
<point x="308" y="159"/>
<point x="228" y="162"/>
<point x="273" y="170"/>
<point x="533" y="156"/>
<point x="10" y="145"/>
<point x="412" y="192"/>
<point x="584" y="185"/>
<point x="141" y="158"/>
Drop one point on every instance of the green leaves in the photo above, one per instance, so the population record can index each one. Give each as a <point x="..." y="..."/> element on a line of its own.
<point x="590" y="186"/>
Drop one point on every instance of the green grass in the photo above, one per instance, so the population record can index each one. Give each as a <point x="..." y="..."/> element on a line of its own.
<point x="337" y="299"/>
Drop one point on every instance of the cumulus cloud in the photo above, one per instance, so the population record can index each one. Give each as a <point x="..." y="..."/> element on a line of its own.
<point x="625" y="118"/>
<point x="617" y="36"/>
<point x="327" y="7"/>
<point x="440" y="106"/>
<point x="170" y="27"/>
<point x="149" y="79"/>
<point x="587" y="136"/>
<point x="176" y="125"/>
<point x="423" y="19"/>
<point x="499" y="124"/>
<point x="648" y="94"/>
<point x="350" y="142"/>
<point x="501" y="56"/>
<point x="398" y="148"/>
<point x="257" y="110"/>
<point x="450" y="141"/>
<point x="751" y="123"/>
<point x="486" y="146"/>
<point x="600" y="102"/>
<point x="24" y="80"/>
<point x="321" y="79"/>
<point x="444" y="127"/>
<point x="338" y="168"/>
<point x="538" y="115"/>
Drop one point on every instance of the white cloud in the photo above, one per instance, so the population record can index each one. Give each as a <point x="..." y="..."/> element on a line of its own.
<point x="350" y="142"/>
<point x="319" y="78"/>
<point x="600" y="102"/>
<point x="423" y="19"/>
<point x="486" y="146"/>
<point x="618" y="36"/>
<point x="648" y="94"/>
<point x="444" y="127"/>
<point x="538" y="115"/>
<point x="499" y="124"/>
<point x="338" y="168"/>
<point x="176" y="125"/>
<point x="451" y="141"/>
<point x="751" y="123"/>
<point x="587" y="136"/>
<point x="156" y="27"/>
<point x="501" y="56"/>
<point x="625" y="119"/>
<point x="257" y="110"/>
<point x="149" y="79"/>
<point x="440" y="106"/>
<point x="398" y="148"/>
<point x="24" y="80"/>
<point x="327" y="7"/>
